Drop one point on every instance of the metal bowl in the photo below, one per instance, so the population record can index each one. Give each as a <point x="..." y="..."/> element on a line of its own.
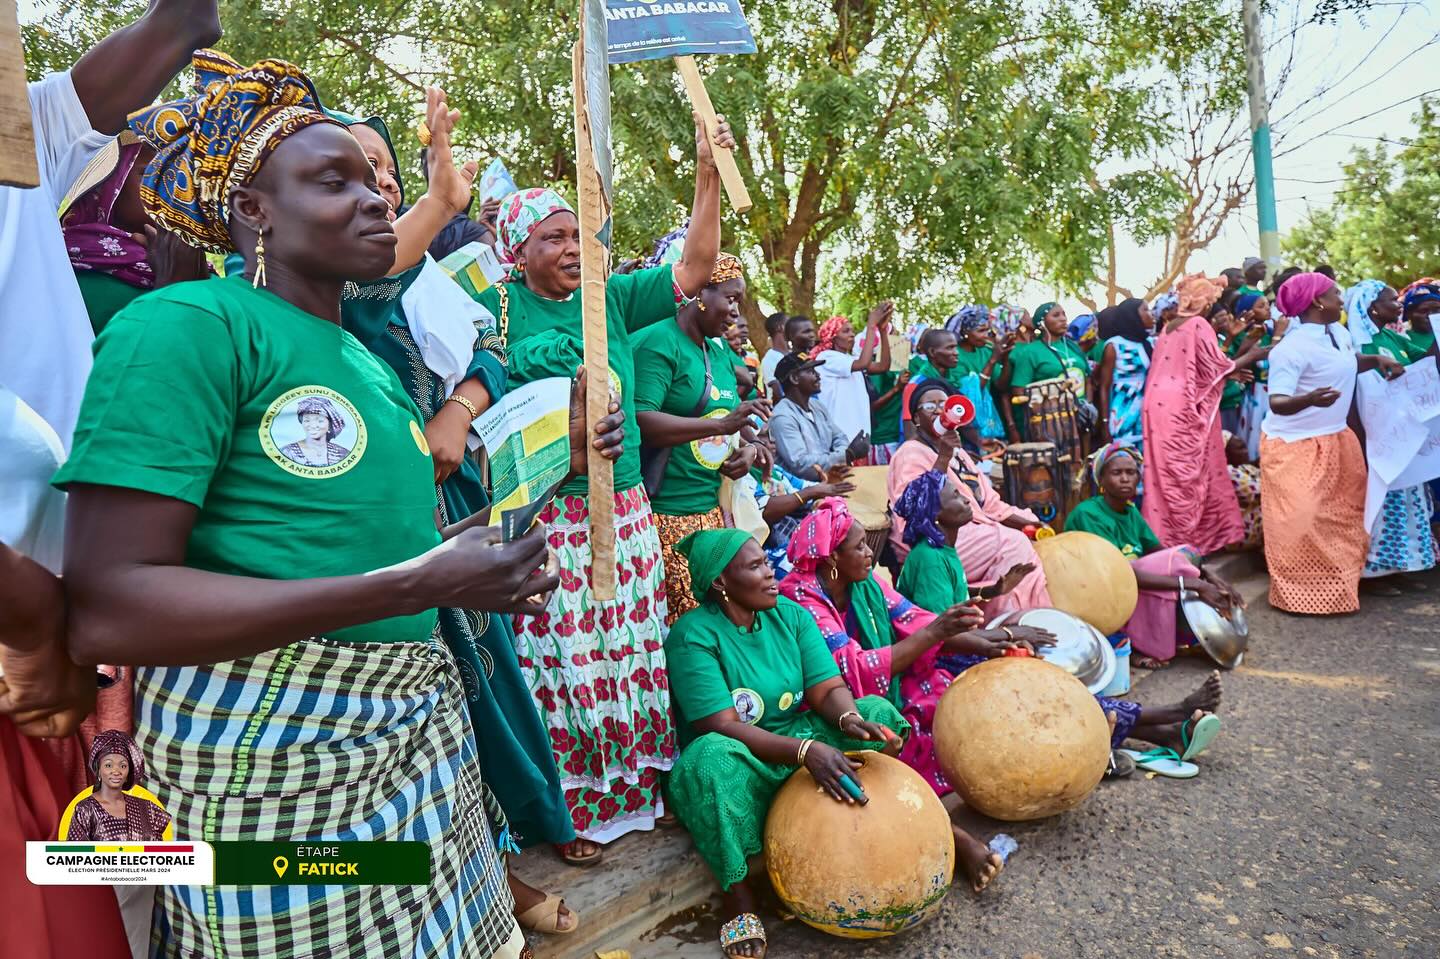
<point x="1080" y="649"/>
<point x="1224" y="640"/>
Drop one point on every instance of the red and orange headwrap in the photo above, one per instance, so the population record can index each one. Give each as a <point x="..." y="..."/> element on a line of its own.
<point x="727" y="267"/>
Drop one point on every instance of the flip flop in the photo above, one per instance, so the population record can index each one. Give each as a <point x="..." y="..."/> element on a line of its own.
<point x="1197" y="734"/>
<point x="1163" y="762"/>
<point x="544" y="917"/>
<point x="1120" y="765"/>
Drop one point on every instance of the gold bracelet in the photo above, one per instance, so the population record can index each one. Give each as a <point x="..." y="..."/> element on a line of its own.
<point x="804" y="748"/>
<point x="840" y="723"/>
<point x="457" y="398"/>
<point x="1008" y="635"/>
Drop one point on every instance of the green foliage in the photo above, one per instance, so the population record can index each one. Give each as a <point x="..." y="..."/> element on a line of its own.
<point x="928" y="152"/>
<point x="1383" y="223"/>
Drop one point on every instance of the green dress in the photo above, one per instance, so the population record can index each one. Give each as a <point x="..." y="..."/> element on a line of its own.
<point x="933" y="577"/>
<point x="515" y="755"/>
<point x="720" y="790"/>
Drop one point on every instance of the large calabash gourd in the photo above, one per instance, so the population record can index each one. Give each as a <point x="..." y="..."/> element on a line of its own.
<point x="861" y="872"/>
<point x="1088" y="577"/>
<point x="1020" y="738"/>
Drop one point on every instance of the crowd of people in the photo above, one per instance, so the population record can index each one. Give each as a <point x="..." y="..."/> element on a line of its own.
<point x="266" y="500"/>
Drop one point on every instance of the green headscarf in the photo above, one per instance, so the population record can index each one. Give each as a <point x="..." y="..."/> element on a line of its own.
<point x="708" y="552"/>
<point x="378" y="125"/>
<point x="1037" y="319"/>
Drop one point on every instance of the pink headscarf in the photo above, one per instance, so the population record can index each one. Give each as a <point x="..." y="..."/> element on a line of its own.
<point x="819" y="534"/>
<point x="1299" y="293"/>
<point x="93" y="243"/>
<point x="825" y="338"/>
<point x="1196" y="293"/>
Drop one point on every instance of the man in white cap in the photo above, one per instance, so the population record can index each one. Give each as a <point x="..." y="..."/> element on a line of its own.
<point x="1253" y="270"/>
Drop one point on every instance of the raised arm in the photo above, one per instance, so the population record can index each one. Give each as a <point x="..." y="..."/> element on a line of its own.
<point x="127" y="70"/>
<point x="702" y="242"/>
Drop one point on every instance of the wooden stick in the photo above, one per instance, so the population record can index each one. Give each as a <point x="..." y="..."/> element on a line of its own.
<point x="17" y="135"/>
<point x="724" y="158"/>
<point x="594" y="268"/>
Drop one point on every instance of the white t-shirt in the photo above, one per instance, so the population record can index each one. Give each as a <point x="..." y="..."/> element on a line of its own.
<point x="843" y="393"/>
<point x="768" y="362"/>
<point x="1312" y="356"/>
<point x="45" y="333"/>
<point x="32" y="512"/>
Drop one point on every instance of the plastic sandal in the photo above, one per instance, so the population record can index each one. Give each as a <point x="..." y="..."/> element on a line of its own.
<point x="1163" y="762"/>
<point x="1197" y="734"/>
<point x="745" y="927"/>
<point x="567" y="853"/>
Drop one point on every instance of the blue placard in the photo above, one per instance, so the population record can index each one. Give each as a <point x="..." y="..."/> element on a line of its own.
<point x="646" y="30"/>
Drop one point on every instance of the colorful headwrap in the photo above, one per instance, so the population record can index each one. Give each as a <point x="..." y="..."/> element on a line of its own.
<point x="1084" y="330"/>
<point x="831" y="328"/>
<point x="1007" y="318"/>
<point x="211" y="144"/>
<point x="1196" y="293"/>
<point x="520" y="213"/>
<point x="820" y="534"/>
<point x="1108" y="452"/>
<point x="968" y="319"/>
<point x="113" y="742"/>
<point x="919" y="507"/>
<point x="319" y="404"/>
<point x="727" y="267"/>
<point x="708" y="552"/>
<point x="669" y="248"/>
<point x="1037" y="319"/>
<point x="1358" y="300"/>
<point x="1421" y="291"/>
<point x="1163" y="302"/>
<point x="93" y="244"/>
<point x="1300" y="292"/>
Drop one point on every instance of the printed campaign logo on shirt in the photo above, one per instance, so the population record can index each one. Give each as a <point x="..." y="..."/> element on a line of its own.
<point x="313" y="432"/>
<point x="749" y="705"/>
<point x="712" y="451"/>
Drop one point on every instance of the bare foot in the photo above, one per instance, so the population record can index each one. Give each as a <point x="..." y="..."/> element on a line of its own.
<point x="1149" y="662"/>
<point x="527" y="897"/>
<point x="981" y="866"/>
<point x="739" y="899"/>
<point x="1206" y="697"/>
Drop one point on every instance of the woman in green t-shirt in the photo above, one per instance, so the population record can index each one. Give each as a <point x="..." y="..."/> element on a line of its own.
<point x="687" y="402"/>
<point x="756" y="696"/>
<point x="1162" y="574"/>
<point x="284" y="610"/>
<point x="1050" y="355"/>
<point x="597" y="670"/>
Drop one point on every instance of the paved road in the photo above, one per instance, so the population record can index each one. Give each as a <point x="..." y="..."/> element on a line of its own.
<point x="1312" y="830"/>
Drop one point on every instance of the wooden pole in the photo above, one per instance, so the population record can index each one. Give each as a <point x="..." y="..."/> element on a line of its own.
<point x="17" y="136"/>
<point x="724" y="159"/>
<point x="594" y="210"/>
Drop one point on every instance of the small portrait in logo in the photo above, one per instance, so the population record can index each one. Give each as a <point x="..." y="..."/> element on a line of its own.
<point x="748" y="705"/>
<point x="313" y="431"/>
<point x="116" y="808"/>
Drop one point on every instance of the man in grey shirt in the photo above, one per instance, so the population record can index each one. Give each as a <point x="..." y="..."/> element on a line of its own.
<point x="807" y="441"/>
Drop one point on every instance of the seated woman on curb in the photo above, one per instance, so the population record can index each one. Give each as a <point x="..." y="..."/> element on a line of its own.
<point x="743" y="667"/>
<point x="933" y="578"/>
<point x="887" y="646"/>
<point x="1162" y="574"/>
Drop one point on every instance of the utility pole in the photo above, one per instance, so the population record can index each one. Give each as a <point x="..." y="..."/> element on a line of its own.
<point x="1260" y="136"/>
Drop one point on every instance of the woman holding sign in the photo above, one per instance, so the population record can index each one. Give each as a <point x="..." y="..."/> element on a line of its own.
<point x="1312" y="473"/>
<point x="597" y="670"/>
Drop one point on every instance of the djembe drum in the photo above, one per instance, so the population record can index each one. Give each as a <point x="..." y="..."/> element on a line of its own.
<point x="870" y="504"/>
<point x="1052" y="416"/>
<point x="1033" y="480"/>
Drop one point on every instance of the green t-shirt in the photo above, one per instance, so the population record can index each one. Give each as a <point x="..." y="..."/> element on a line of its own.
<point x="885" y="421"/>
<point x="299" y="448"/>
<point x="761" y="673"/>
<point x="971" y="361"/>
<point x="1234" y="393"/>
<point x="104" y="296"/>
<point x="1128" y="531"/>
<point x="669" y="375"/>
<point x="546" y="338"/>
<point x="1423" y="341"/>
<point x="1397" y="346"/>
<point x="933" y="577"/>
<point x="1035" y="361"/>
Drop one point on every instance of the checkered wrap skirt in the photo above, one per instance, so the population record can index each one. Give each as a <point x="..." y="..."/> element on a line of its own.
<point x="325" y="740"/>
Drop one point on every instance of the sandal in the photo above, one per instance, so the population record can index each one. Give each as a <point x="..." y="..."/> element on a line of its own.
<point x="1196" y="735"/>
<point x="1149" y="662"/>
<point x="567" y="853"/>
<point x="1120" y="765"/>
<point x="743" y="928"/>
<point x="1163" y="762"/>
<point x="544" y="917"/>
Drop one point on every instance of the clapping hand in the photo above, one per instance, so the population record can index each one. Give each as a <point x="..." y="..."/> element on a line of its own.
<point x="1013" y="577"/>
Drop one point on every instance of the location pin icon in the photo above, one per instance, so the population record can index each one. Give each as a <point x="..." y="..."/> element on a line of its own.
<point x="280" y="864"/>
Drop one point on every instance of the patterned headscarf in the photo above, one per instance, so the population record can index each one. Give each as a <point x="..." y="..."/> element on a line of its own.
<point x="319" y="404"/>
<point x="520" y="214"/>
<point x="1108" y="452"/>
<point x="1037" y="319"/>
<point x="727" y="267"/>
<point x="1084" y="330"/>
<point x="113" y="742"/>
<point x="820" y="534"/>
<point x="707" y="552"/>
<point x="1358" y="300"/>
<point x="1196" y="293"/>
<point x="1300" y="292"/>
<point x="919" y="507"/>
<point x="211" y="144"/>
<point x="93" y="244"/>
<point x="968" y="319"/>
<point x="1421" y="291"/>
<point x="669" y="248"/>
<point x="1007" y="318"/>
<point x="1163" y="302"/>
<point x="831" y="328"/>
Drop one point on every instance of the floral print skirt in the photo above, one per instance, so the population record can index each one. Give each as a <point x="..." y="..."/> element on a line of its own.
<point x="597" y="671"/>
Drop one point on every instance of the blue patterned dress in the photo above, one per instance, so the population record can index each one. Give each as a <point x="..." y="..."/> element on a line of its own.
<point x="1127" y="389"/>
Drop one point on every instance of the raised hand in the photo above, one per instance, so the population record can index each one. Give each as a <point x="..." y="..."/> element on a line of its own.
<point x="724" y="138"/>
<point x="448" y="183"/>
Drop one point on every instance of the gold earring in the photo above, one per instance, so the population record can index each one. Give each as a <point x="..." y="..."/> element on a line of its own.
<point x="259" y="279"/>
